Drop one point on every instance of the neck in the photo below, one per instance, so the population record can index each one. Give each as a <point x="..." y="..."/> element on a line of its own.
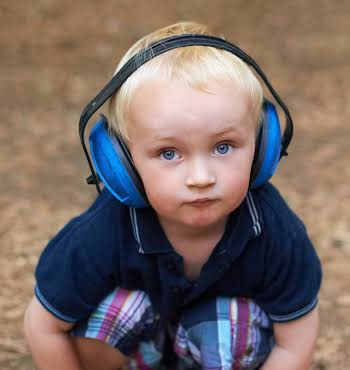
<point x="194" y="245"/>
<point x="183" y="233"/>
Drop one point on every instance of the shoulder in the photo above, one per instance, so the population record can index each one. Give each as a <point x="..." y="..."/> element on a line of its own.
<point x="102" y="219"/>
<point x="279" y="220"/>
<point x="92" y="239"/>
<point x="83" y="258"/>
<point x="104" y="208"/>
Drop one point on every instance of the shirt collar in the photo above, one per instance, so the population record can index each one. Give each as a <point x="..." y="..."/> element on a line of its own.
<point x="148" y="232"/>
<point x="244" y="224"/>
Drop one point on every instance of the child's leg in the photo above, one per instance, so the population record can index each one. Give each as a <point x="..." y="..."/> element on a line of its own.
<point x="122" y="330"/>
<point x="224" y="333"/>
<point x="96" y="355"/>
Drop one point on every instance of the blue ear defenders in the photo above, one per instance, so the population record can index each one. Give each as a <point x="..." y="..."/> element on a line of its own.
<point x="111" y="162"/>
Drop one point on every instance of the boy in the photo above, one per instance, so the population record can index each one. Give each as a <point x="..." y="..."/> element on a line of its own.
<point x="211" y="275"/>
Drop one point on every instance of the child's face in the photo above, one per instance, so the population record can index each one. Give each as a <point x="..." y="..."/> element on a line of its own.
<point x="193" y="150"/>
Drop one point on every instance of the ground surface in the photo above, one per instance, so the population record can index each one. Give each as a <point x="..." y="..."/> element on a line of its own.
<point x="55" y="55"/>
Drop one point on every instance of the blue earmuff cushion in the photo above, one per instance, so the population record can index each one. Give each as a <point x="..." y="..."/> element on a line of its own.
<point x="272" y="152"/>
<point x="110" y="168"/>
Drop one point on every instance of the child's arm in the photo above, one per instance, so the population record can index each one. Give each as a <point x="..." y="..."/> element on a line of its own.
<point x="295" y="342"/>
<point x="48" y="340"/>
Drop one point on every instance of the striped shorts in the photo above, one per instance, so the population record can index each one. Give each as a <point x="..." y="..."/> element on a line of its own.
<point x="222" y="333"/>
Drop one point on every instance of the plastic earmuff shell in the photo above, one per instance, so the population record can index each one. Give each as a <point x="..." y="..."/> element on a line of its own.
<point x="114" y="167"/>
<point x="268" y="149"/>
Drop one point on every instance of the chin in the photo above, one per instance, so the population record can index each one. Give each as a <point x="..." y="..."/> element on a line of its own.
<point x="205" y="219"/>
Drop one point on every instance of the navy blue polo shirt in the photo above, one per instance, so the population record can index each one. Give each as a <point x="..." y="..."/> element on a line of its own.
<point x="264" y="254"/>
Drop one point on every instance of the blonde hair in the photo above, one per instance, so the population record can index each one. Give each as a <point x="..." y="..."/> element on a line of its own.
<point x="194" y="65"/>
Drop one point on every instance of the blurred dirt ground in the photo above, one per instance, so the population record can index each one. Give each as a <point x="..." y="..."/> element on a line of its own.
<point x="56" y="55"/>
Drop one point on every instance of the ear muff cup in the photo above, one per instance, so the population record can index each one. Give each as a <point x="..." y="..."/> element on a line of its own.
<point x="114" y="166"/>
<point x="268" y="147"/>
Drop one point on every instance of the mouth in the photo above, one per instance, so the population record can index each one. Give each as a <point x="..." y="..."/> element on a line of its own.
<point x="203" y="202"/>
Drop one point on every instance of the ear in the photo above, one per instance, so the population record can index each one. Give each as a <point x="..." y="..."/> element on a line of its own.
<point x="268" y="147"/>
<point x="114" y="166"/>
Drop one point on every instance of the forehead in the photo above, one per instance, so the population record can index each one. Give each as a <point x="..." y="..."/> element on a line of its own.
<point x="166" y="107"/>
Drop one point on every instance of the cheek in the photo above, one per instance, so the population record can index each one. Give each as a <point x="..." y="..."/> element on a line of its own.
<point x="236" y="179"/>
<point x="160" y="194"/>
<point x="158" y="188"/>
<point x="237" y="182"/>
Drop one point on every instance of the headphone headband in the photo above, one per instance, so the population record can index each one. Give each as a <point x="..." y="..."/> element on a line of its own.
<point x="160" y="47"/>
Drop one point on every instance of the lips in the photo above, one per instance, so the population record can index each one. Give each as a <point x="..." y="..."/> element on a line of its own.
<point x="201" y="202"/>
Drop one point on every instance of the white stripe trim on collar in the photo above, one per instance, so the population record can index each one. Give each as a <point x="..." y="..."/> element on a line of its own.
<point x="135" y="227"/>
<point x="253" y="214"/>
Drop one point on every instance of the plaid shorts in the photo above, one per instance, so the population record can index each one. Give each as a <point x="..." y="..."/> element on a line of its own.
<point x="222" y="333"/>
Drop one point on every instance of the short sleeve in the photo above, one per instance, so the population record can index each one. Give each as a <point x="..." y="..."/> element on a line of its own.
<point x="292" y="276"/>
<point x="78" y="267"/>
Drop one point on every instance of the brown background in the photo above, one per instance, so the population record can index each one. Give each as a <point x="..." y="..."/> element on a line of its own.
<point x="55" y="55"/>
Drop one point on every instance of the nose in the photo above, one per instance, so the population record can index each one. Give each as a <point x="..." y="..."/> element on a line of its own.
<point x="200" y="174"/>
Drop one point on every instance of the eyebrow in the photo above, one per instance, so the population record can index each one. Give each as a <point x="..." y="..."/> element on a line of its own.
<point x="159" y="137"/>
<point x="227" y="129"/>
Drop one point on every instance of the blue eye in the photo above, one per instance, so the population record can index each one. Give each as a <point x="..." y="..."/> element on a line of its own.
<point x="223" y="149"/>
<point x="168" y="155"/>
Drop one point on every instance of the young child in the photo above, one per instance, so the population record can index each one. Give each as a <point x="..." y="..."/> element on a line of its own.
<point x="213" y="274"/>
